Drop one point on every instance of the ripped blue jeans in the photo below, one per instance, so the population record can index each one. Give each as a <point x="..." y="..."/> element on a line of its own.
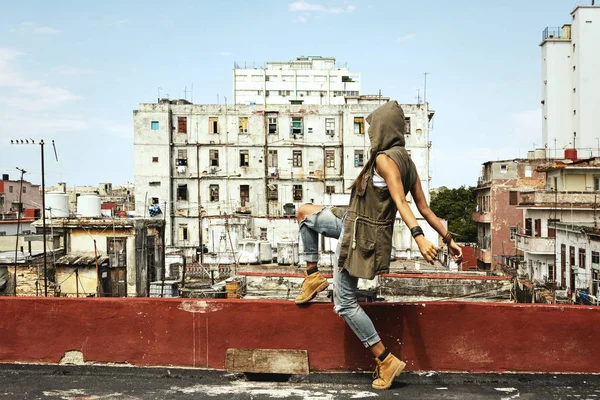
<point x="344" y="286"/>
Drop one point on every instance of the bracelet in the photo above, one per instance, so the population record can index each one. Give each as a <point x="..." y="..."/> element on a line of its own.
<point x="447" y="238"/>
<point x="416" y="231"/>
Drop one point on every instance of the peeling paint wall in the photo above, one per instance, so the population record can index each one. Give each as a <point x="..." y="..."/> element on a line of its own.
<point x="216" y="128"/>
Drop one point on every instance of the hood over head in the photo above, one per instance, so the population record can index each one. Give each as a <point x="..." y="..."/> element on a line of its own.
<point x="386" y="127"/>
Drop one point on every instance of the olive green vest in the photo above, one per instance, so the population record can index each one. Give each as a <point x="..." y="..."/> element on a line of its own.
<point x="367" y="242"/>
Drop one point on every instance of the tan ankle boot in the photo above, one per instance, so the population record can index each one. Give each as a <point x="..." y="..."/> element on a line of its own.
<point x="386" y="371"/>
<point x="313" y="284"/>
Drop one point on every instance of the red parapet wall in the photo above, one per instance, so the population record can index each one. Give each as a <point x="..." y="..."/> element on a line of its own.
<point x="434" y="336"/>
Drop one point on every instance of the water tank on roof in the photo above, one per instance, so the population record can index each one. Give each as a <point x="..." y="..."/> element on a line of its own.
<point x="571" y="154"/>
<point x="540" y="154"/>
<point x="531" y="155"/>
<point x="57" y="205"/>
<point x="88" y="206"/>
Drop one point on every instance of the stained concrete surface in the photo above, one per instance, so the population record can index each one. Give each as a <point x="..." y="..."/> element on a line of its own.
<point x="107" y="382"/>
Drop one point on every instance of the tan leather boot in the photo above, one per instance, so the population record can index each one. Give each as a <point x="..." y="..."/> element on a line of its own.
<point x="313" y="284"/>
<point x="386" y="371"/>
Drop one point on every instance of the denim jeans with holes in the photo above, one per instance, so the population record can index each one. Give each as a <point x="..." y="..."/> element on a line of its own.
<point x="344" y="285"/>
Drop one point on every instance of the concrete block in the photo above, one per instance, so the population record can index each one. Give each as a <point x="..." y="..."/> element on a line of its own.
<point x="267" y="361"/>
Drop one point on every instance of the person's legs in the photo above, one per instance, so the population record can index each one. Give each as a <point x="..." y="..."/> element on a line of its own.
<point x="346" y="305"/>
<point x="314" y="220"/>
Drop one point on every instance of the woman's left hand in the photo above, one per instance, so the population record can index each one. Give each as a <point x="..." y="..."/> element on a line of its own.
<point x="456" y="252"/>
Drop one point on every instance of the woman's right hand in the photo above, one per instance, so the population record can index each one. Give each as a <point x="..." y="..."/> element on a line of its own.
<point x="427" y="249"/>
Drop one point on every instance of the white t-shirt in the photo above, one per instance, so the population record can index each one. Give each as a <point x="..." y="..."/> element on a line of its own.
<point x="378" y="181"/>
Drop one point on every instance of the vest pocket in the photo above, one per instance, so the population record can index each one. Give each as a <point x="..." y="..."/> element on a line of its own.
<point x="365" y="236"/>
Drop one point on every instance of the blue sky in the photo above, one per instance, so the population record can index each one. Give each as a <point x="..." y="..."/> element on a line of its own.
<point x="74" y="71"/>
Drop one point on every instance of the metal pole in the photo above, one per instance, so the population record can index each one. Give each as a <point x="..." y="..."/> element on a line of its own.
<point x="44" y="221"/>
<point x="77" y="281"/>
<point x="18" y="226"/>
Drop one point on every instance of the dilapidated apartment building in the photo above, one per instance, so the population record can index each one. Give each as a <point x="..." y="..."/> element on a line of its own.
<point x="497" y="215"/>
<point x="553" y="215"/>
<point x="195" y="160"/>
<point x="305" y="80"/>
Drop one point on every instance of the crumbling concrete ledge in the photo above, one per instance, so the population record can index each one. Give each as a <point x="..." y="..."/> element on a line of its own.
<point x="435" y="336"/>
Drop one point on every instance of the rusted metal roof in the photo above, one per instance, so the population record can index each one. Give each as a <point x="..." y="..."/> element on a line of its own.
<point x="81" y="260"/>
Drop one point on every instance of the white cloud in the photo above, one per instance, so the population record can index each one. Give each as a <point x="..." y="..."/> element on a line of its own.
<point x="32" y="27"/>
<point x="72" y="70"/>
<point x="406" y="38"/>
<point x="307" y="9"/>
<point x="122" y="21"/>
<point x="225" y="53"/>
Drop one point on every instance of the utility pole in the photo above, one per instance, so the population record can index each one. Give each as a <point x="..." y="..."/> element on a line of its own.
<point x="41" y="143"/>
<point x="18" y="227"/>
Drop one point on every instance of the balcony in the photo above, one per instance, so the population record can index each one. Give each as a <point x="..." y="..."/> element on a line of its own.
<point x="551" y="199"/>
<point x="483" y="255"/>
<point x="483" y="250"/>
<point x="485" y="217"/>
<point x="535" y="245"/>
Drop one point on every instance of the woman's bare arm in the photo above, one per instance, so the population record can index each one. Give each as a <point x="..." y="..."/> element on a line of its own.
<point x="421" y="202"/>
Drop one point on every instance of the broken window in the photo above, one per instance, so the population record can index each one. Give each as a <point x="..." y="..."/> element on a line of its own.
<point x="183" y="232"/>
<point x="330" y="158"/>
<point x="244" y="158"/>
<point x="297" y="158"/>
<point x="528" y="228"/>
<point x="513" y="198"/>
<point x="154" y="125"/>
<point x="528" y="171"/>
<point x="359" y="125"/>
<point x="407" y="130"/>
<point x="116" y="251"/>
<point x="572" y="256"/>
<point x="272" y="193"/>
<point x="582" y="255"/>
<point x="296" y="128"/>
<point x="155" y="201"/>
<point x="154" y="159"/>
<point x="347" y="79"/>
<point x="244" y="195"/>
<point x="182" y="124"/>
<point x="272" y="120"/>
<point x="181" y="160"/>
<point x="272" y="160"/>
<point x="284" y="93"/>
<point x="155" y="183"/>
<point x="503" y="168"/>
<point x="24" y="189"/>
<point x="213" y="125"/>
<point x="595" y="257"/>
<point x="596" y="183"/>
<point x="213" y="157"/>
<point x="330" y="126"/>
<point x="214" y="192"/>
<point x="359" y="156"/>
<point x="10" y="188"/>
<point x="513" y="233"/>
<point x="538" y="228"/>
<point x="297" y="193"/>
<point x="330" y="189"/>
<point x="243" y="125"/>
<point x="182" y="192"/>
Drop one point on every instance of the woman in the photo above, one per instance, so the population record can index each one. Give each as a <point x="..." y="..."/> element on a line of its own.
<point x="365" y="231"/>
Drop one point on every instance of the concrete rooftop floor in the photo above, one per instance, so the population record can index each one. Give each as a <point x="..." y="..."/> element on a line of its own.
<point x="27" y="381"/>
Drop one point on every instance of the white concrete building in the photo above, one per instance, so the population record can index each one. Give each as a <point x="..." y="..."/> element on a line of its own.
<point x="571" y="84"/>
<point x="204" y="161"/>
<point x="305" y="80"/>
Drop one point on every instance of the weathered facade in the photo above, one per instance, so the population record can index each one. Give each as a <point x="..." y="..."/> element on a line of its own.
<point x="130" y="255"/>
<point x="305" y="80"/>
<point x="194" y="161"/>
<point x="569" y="199"/>
<point x="31" y="196"/>
<point x="497" y="215"/>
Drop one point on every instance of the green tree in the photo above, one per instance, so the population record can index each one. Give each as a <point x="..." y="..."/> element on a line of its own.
<point x="456" y="207"/>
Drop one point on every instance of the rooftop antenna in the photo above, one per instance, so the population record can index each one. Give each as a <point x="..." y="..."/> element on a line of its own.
<point x="425" y="89"/>
<point x="185" y="92"/>
<point x="418" y="96"/>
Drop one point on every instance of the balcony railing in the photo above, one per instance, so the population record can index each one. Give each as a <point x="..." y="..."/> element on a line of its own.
<point x="554" y="32"/>
<point x="481" y="217"/>
<point x="535" y="245"/>
<point x="484" y="242"/>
